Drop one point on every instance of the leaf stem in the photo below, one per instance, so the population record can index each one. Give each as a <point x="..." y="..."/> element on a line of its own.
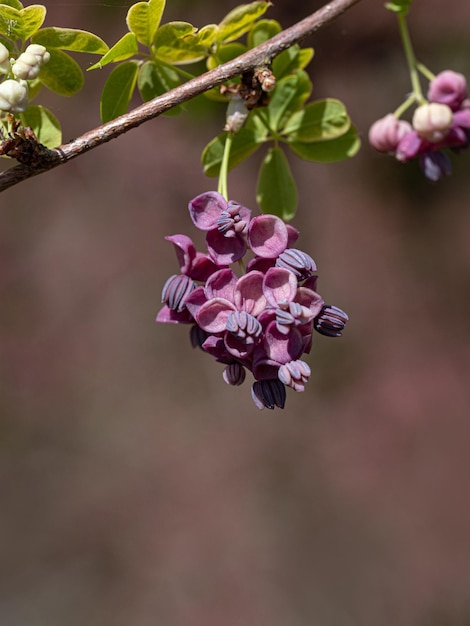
<point x="222" y="187"/>
<point x="410" y="59"/>
<point x="405" y="106"/>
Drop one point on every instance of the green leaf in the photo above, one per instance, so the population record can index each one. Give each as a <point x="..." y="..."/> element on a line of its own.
<point x="13" y="3"/>
<point x="256" y="124"/>
<point x="337" y="149"/>
<point x="18" y="23"/>
<point x="262" y="31"/>
<point x="123" y="49"/>
<point x="70" y="39"/>
<point x="240" y="20"/>
<point x="32" y="18"/>
<point x="243" y="145"/>
<point x="61" y="74"/>
<point x="289" y="94"/>
<point x="156" y="78"/>
<point x="318" y="121"/>
<point x="276" y="193"/>
<point x="225" y="53"/>
<point x="207" y="35"/>
<point x="143" y="19"/>
<point x="10" y="22"/>
<point x="178" y="43"/>
<point x="45" y="125"/>
<point x="304" y="58"/>
<point x="118" y="90"/>
<point x="291" y="60"/>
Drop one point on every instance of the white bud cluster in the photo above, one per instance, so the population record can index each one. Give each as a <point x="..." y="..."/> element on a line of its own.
<point x="13" y="96"/>
<point x="28" y="65"/>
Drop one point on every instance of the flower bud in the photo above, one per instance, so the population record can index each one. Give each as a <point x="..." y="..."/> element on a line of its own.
<point x="13" y="96"/>
<point x="4" y="59"/>
<point x="40" y="52"/>
<point x="385" y="134"/>
<point x="234" y="374"/>
<point x="432" y="121"/>
<point x="28" y="65"/>
<point x="237" y="114"/>
<point x="448" y="88"/>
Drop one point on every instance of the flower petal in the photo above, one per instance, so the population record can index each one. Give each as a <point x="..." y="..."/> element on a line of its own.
<point x="221" y="284"/>
<point x="195" y="300"/>
<point x="185" y="251"/>
<point x="203" y="266"/>
<point x="225" y="250"/>
<point x="205" y="209"/>
<point x="280" y="347"/>
<point x="168" y="316"/>
<point x="248" y="295"/>
<point x="310" y="299"/>
<point x="267" y="236"/>
<point x="213" y="314"/>
<point x="279" y="285"/>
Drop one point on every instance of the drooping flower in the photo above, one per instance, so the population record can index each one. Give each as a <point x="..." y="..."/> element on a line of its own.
<point x="439" y="126"/>
<point x="261" y="321"/>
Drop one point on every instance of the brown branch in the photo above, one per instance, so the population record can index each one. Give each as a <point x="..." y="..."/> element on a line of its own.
<point x="248" y="61"/>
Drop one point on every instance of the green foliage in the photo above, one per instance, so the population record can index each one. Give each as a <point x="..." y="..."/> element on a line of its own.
<point x="319" y="121"/>
<point x="240" y="20"/>
<point x="143" y="19"/>
<point x="13" y="3"/>
<point x="337" y="149"/>
<point x="122" y="50"/>
<point x="61" y="74"/>
<point x="20" y="26"/>
<point x="19" y="23"/>
<point x="70" y="39"/>
<point x="148" y="58"/>
<point x="45" y="125"/>
<point x="318" y="131"/>
<point x="156" y="78"/>
<point x="262" y="31"/>
<point x="276" y="193"/>
<point x="118" y="90"/>
<point x="245" y="142"/>
<point x="176" y="43"/>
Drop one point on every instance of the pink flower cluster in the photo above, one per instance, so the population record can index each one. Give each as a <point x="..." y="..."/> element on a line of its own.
<point x="261" y="321"/>
<point x="443" y="122"/>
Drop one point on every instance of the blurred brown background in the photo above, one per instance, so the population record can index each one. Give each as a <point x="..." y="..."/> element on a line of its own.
<point x="137" y="489"/>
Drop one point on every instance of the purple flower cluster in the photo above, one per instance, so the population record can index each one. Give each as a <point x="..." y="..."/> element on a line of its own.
<point x="261" y="321"/>
<point x="443" y="122"/>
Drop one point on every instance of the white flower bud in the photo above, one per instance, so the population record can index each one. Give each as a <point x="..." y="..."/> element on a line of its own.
<point x="38" y="51"/>
<point x="13" y="96"/>
<point x="24" y="70"/>
<point x="432" y="121"/>
<point x="28" y="65"/>
<point x="237" y="114"/>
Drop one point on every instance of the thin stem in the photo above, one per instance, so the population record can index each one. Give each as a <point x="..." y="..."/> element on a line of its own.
<point x="426" y="72"/>
<point x="410" y="58"/>
<point x="405" y="106"/>
<point x="223" y="175"/>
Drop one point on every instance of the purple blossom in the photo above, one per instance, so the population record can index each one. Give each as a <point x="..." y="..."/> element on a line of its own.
<point x="261" y="321"/>
<point x="439" y="126"/>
